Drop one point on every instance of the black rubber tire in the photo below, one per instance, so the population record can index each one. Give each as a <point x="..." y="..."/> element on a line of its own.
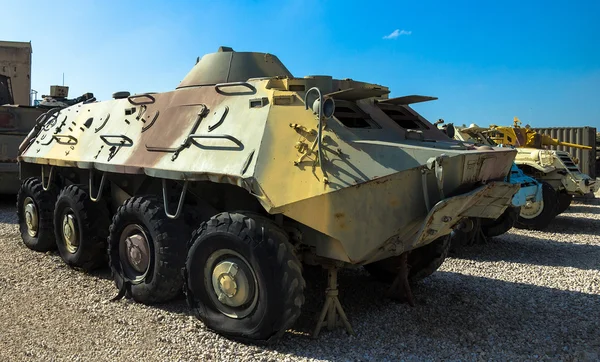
<point x="501" y="225"/>
<point x="422" y="262"/>
<point x="92" y="224"/>
<point x="540" y="222"/>
<point x="460" y="238"/>
<point x="564" y="201"/>
<point x="44" y="202"/>
<point x="266" y="248"/>
<point x="163" y="281"/>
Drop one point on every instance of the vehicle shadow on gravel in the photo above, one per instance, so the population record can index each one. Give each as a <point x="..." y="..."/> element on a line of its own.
<point x="565" y="224"/>
<point x="582" y="209"/>
<point x="7" y="202"/>
<point x="455" y="315"/>
<point x="534" y="251"/>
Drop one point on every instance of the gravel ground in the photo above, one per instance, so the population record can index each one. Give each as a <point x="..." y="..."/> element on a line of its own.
<point x="525" y="295"/>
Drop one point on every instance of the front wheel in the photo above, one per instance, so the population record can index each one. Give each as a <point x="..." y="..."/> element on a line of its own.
<point x="422" y="262"/>
<point x="538" y="215"/>
<point x="499" y="226"/>
<point x="243" y="279"/>
<point x="564" y="201"/>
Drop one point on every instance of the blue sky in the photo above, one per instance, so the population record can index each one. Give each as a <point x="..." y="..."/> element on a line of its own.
<point x="487" y="61"/>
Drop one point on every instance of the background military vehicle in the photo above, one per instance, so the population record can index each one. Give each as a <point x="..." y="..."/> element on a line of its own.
<point x="531" y="192"/>
<point x="557" y="168"/>
<point x="16" y="121"/>
<point x="242" y="173"/>
<point x="17" y="117"/>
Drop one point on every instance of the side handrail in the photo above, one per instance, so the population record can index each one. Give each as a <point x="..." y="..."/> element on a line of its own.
<point x="123" y="138"/>
<point x="58" y="138"/>
<point x="44" y="185"/>
<point x="179" y="204"/>
<point x="148" y="96"/>
<point x="218" y="87"/>
<point x="99" y="195"/>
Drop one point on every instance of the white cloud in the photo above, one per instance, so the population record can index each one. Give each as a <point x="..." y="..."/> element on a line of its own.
<point x="396" y="33"/>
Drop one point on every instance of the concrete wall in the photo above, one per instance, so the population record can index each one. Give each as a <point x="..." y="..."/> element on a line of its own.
<point x="15" y="62"/>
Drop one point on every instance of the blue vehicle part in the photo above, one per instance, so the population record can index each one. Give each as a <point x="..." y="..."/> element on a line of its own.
<point x="530" y="189"/>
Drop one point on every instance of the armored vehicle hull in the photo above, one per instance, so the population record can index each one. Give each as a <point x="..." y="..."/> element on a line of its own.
<point x="530" y="191"/>
<point x="243" y="173"/>
<point x="558" y="170"/>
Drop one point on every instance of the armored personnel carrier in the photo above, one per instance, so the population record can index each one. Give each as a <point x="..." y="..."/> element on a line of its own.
<point x="531" y="191"/>
<point x="226" y="185"/>
<point x="556" y="168"/>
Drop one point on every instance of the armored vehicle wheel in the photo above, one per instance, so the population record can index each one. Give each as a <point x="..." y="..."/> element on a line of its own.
<point x="81" y="228"/>
<point x="502" y="224"/>
<point x="242" y="277"/>
<point x="146" y="250"/>
<point x="564" y="201"/>
<point x="422" y="262"/>
<point x="538" y="215"/>
<point x="34" y="211"/>
<point x="471" y="236"/>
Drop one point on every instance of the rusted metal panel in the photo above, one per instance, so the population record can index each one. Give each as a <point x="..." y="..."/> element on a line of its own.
<point x="585" y="136"/>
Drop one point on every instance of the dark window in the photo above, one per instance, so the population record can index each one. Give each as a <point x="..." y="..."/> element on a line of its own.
<point x="404" y="119"/>
<point x="351" y="117"/>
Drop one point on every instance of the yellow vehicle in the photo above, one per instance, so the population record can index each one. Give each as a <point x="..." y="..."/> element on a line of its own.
<point x="557" y="168"/>
<point x="239" y="176"/>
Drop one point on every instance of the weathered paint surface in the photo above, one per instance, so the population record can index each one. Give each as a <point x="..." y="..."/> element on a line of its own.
<point x="15" y="123"/>
<point x="384" y="175"/>
<point x="558" y="168"/>
<point x="530" y="190"/>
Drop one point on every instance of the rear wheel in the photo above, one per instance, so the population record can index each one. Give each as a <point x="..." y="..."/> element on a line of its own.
<point x="466" y="236"/>
<point x="35" y="214"/>
<point x="243" y="279"/>
<point x="422" y="262"/>
<point x="81" y="228"/>
<point x="147" y="250"/>
<point x="564" y="201"/>
<point x="502" y="224"/>
<point x="538" y="215"/>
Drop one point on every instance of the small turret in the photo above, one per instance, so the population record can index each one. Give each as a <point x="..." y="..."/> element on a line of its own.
<point x="227" y="65"/>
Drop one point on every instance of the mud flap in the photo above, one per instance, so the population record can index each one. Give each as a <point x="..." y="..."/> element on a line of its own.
<point x="481" y="202"/>
<point x="125" y="290"/>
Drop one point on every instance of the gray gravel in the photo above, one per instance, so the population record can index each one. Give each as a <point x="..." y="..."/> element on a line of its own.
<point x="525" y="295"/>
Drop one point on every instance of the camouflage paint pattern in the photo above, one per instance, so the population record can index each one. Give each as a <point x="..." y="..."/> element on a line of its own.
<point x="390" y="188"/>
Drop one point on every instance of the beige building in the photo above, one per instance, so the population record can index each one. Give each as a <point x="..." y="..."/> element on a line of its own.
<point x="15" y="63"/>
